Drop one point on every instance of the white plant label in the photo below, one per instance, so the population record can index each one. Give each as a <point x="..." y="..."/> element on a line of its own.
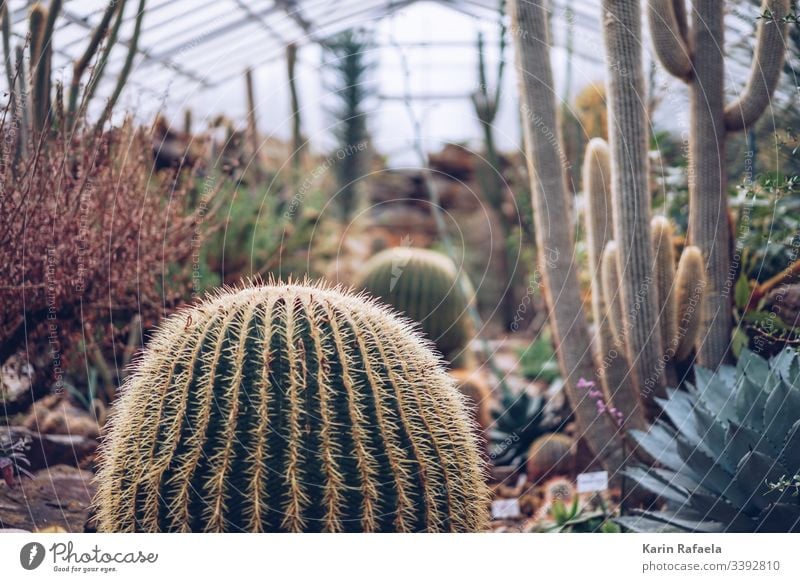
<point x="595" y="481"/>
<point x="505" y="508"/>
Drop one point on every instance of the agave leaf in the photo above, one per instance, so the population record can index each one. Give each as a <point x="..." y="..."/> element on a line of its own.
<point x="660" y="443"/>
<point x="750" y="400"/>
<point x="780" y="411"/>
<point x="685" y="520"/>
<point x="713" y="434"/>
<point x="679" y="407"/>
<point x="791" y="449"/>
<point x="712" y="476"/>
<point x="780" y="518"/>
<point x="716" y="390"/>
<point x="682" y="480"/>
<point x="720" y="510"/>
<point x="787" y="365"/>
<point x="754" y="367"/>
<point x="643" y="524"/>
<point x="656" y="484"/>
<point x="741" y="440"/>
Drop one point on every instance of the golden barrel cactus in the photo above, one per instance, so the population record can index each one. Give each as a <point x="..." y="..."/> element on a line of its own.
<point x="289" y="407"/>
<point x="427" y="287"/>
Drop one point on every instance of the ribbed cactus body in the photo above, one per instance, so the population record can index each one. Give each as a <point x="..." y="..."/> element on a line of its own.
<point x="289" y="408"/>
<point x="609" y="273"/>
<point x="427" y="287"/>
<point x="628" y="139"/>
<point x="664" y="259"/>
<point x="690" y="284"/>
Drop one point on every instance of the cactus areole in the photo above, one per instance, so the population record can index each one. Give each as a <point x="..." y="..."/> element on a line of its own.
<point x="290" y="408"/>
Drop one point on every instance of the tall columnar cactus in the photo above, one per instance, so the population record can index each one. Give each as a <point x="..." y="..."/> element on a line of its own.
<point x="609" y="276"/>
<point x="664" y="257"/>
<point x="427" y="287"/>
<point x="290" y="408"/>
<point x="552" y="215"/>
<point x="695" y="55"/>
<point x="630" y="195"/>
<point x="40" y="80"/>
<point x="297" y="126"/>
<point x="122" y="78"/>
<point x="82" y="63"/>
<point x="252" y="119"/>
<point x="615" y="379"/>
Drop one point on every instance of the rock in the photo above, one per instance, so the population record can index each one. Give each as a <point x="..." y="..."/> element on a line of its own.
<point x="56" y="499"/>
<point x="54" y="414"/>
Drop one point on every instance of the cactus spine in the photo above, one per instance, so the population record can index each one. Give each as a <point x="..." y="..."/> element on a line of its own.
<point x="290" y="408"/>
<point x="478" y="397"/>
<point x="696" y="57"/>
<point x="427" y="287"/>
<point x="552" y="215"/>
<point x="615" y="379"/>
<point x="630" y="194"/>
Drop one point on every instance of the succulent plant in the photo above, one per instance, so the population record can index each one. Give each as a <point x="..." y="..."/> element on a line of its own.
<point x="551" y="455"/>
<point x="688" y="48"/>
<point x="427" y="287"/>
<point x="290" y="407"/>
<point x="724" y="448"/>
<point x="519" y="419"/>
<point x="563" y="511"/>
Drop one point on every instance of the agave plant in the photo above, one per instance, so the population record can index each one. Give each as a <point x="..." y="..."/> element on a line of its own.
<point x="729" y="445"/>
<point x="518" y="420"/>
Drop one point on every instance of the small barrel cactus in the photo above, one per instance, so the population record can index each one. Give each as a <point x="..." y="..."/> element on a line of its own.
<point x="551" y="455"/>
<point x="427" y="287"/>
<point x="289" y="408"/>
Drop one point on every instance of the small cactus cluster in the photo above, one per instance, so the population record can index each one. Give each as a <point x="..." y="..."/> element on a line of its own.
<point x="689" y="49"/>
<point x="676" y="293"/>
<point x="427" y="287"/>
<point x="290" y="407"/>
